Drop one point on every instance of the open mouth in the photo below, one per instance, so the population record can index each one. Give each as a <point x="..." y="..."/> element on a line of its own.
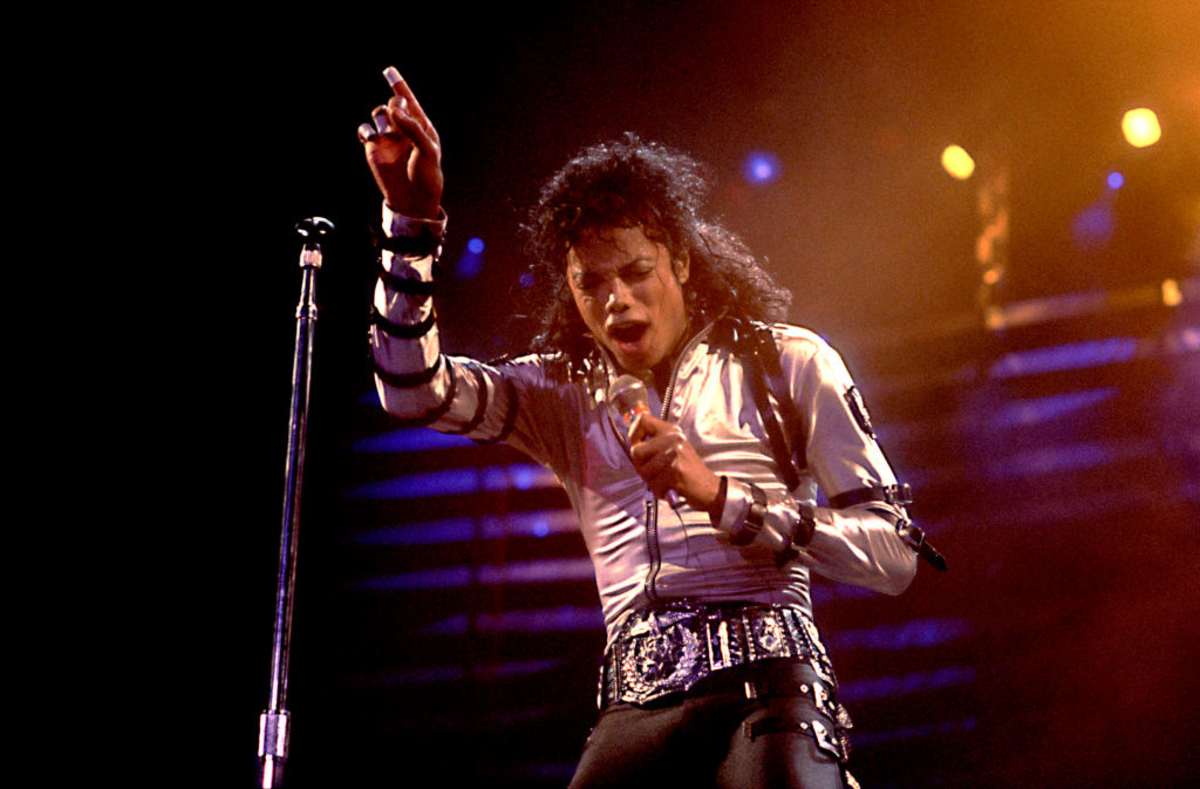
<point x="628" y="333"/>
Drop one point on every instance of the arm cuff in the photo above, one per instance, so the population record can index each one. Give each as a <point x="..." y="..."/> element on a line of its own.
<point x="771" y="526"/>
<point x="401" y="226"/>
<point x="737" y="506"/>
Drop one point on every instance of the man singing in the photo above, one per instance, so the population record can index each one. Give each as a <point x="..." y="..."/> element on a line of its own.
<point x="700" y="515"/>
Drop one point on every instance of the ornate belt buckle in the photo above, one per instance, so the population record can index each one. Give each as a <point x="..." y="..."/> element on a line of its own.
<point x="660" y="654"/>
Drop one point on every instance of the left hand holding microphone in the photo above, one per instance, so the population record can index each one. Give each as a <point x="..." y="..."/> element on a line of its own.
<point x="667" y="461"/>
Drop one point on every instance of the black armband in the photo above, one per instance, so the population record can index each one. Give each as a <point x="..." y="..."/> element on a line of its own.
<point x="407" y="380"/>
<point x="897" y="495"/>
<point x="402" y="331"/>
<point x="426" y="243"/>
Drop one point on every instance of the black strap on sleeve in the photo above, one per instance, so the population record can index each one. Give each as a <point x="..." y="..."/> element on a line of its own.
<point x="915" y="537"/>
<point x="514" y="405"/>
<point x="756" y="516"/>
<point x="896" y="495"/>
<point x="407" y="285"/>
<point x="402" y="331"/>
<point x="425" y="244"/>
<point x="510" y="417"/>
<point x="407" y="380"/>
<point x="481" y="403"/>
<point x="438" y="411"/>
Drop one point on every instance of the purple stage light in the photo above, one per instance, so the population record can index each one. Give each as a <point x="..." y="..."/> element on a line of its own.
<point x="761" y="167"/>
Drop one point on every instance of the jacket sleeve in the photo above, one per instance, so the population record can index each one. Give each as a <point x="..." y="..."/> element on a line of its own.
<point x="861" y="538"/>
<point x="420" y="385"/>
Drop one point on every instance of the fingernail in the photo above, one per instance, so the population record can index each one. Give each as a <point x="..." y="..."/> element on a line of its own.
<point x="365" y="132"/>
<point x="391" y="75"/>
<point x="381" y="122"/>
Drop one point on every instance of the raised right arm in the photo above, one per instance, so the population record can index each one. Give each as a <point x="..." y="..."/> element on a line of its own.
<point x="416" y="382"/>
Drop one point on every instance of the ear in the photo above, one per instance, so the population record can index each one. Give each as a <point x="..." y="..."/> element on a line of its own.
<point x="681" y="265"/>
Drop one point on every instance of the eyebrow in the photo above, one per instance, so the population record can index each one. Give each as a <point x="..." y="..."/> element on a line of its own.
<point x="619" y="266"/>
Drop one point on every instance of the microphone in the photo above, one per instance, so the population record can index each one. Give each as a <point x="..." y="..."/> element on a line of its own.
<point x="629" y="396"/>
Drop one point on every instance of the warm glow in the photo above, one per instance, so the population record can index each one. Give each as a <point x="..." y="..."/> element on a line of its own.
<point x="993" y="318"/>
<point x="991" y="276"/>
<point x="1171" y="294"/>
<point x="1141" y="127"/>
<point x="958" y="162"/>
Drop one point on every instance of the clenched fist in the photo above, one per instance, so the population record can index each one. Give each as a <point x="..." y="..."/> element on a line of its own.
<point x="667" y="461"/>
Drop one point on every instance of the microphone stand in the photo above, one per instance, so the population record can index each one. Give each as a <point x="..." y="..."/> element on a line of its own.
<point x="273" y="724"/>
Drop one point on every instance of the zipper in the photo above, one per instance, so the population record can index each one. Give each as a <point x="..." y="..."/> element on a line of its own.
<point x="652" y="503"/>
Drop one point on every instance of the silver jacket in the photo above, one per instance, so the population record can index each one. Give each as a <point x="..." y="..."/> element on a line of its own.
<point x="641" y="548"/>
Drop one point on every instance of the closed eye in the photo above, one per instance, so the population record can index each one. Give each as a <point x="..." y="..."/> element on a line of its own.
<point x="637" y="269"/>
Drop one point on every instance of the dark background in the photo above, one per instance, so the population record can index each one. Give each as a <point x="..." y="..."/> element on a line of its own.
<point x="1060" y="647"/>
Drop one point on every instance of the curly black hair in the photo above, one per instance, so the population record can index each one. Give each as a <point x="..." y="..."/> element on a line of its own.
<point x="633" y="183"/>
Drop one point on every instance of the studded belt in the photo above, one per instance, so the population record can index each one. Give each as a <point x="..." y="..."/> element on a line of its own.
<point x="677" y="644"/>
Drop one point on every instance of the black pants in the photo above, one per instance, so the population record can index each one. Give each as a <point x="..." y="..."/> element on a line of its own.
<point x="715" y="736"/>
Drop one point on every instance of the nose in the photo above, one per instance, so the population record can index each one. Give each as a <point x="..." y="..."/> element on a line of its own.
<point x="619" y="297"/>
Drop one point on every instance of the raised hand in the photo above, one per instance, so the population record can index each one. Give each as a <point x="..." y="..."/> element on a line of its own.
<point x="404" y="152"/>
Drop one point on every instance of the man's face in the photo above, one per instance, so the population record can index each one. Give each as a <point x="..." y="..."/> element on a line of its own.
<point x="628" y="291"/>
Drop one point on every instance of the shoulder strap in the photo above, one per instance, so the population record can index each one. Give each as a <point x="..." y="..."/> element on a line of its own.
<point x="756" y="345"/>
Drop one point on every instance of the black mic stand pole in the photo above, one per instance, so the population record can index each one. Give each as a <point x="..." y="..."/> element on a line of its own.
<point x="273" y="723"/>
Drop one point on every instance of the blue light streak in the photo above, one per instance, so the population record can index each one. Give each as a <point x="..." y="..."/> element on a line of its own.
<point x="1045" y="409"/>
<point x="409" y="439"/>
<point x="919" y="633"/>
<point x="1067" y="457"/>
<point x="458" y="482"/>
<point x="1072" y="356"/>
<point x="942" y="729"/>
<point x="907" y="684"/>
<point x="433" y="675"/>
<point x="545" y="620"/>
<point x="532" y="572"/>
<point x="541" y="523"/>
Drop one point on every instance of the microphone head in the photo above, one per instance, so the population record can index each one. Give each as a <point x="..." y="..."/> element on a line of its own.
<point x="314" y="230"/>
<point x="628" y="395"/>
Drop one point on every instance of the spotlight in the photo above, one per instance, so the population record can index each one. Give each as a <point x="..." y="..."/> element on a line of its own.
<point x="1172" y="295"/>
<point x="957" y="162"/>
<point x="1115" y="180"/>
<point x="475" y="245"/>
<point x="1141" y="127"/>
<point x="761" y="167"/>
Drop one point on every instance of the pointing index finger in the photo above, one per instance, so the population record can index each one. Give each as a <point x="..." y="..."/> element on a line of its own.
<point x="403" y="91"/>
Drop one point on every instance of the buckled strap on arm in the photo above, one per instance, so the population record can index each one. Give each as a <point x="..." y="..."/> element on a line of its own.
<point x="752" y="524"/>
<point x="897" y="495"/>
